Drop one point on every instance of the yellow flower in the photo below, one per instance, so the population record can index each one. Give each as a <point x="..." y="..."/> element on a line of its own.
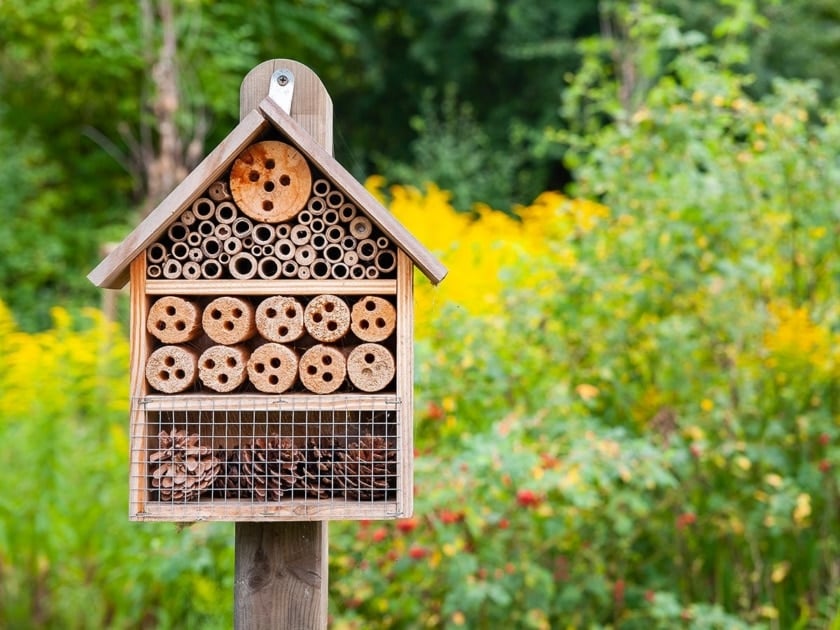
<point x="802" y="510"/>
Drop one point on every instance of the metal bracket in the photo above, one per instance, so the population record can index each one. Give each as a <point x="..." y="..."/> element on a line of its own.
<point x="281" y="89"/>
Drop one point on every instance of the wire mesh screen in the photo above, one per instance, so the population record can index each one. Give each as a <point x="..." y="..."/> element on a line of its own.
<point x="263" y="451"/>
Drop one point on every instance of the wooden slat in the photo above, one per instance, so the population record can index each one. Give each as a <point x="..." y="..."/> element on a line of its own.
<point x="357" y="193"/>
<point x="293" y="510"/>
<point x="311" y="105"/>
<point x="111" y="273"/>
<point x="138" y="353"/>
<point x="271" y="287"/>
<point x="249" y="402"/>
<point x="405" y="381"/>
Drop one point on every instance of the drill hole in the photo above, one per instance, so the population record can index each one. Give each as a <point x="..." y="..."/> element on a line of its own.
<point x="285" y="180"/>
<point x="269" y="163"/>
<point x="254" y="176"/>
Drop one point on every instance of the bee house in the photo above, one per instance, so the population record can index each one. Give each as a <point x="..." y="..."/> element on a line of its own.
<point x="271" y="337"/>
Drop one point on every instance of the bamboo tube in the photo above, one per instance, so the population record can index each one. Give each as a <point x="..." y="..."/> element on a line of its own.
<point x="347" y="212"/>
<point x="211" y="247"/>
<point x="335" y="233"/>
<point x="212" y="269"/>
<point x="318" y="241"/>
<point x="174" y="320"/>
<point x="320" y="269"/>
<point x="283" y="230"/>
<point x="305" y="255"/>
<point x="321" y="187"/>
<point x="361" y="228"/>
<point x="232" y="245"/>
<point x="180" y="250"/>
<point x="242" y="227"/>
<point x="284" y="249"/>
<point x="270" y="181"/>
<point x="188" y="217"/>
<point x="191" y="270"/>
<point x="247" y="242"/>
<point x="350" y="258"/>
<point x="223" y="368"/>
<point x="304" y="217"/>
<point x="316" y="206"/>
<point x="317" y="225"/>
<point x="371" y="273"/>
<point x="322" y="369"/>
<point x="171" y="369"/>
<point x="273" y="368"/>
<point x="171" y="269"/>
<point x="385" y="261"/>
<point x="263" y="234"/>
<point x="349" y="243"/>
<point x="367" y="249"/>
<point x="280" y="318"/>
<point x="242" y="266"/>
<point x="219" y="191"/>
<point x="195" y="254"/>
<point x="333" y="253"/>
<point x="339" y="271"/>
<point x="225" y="212"/>
<point x="269" y="268"/>
<point x="256" y="251"/>
<point x="373" y="318"/>
<point x="357" y="272"/>
<point x="330" y="217"/>
<point x="223" y="231"/>
<point x="177" y="232"/>
<point x="335" y="199"/>
<point x="229" y="320"/>
<point x="370" y="367"/>
<point x="156" y="253"/>
<point x="303" y="272"/>
<point x="382" y="242"/>
<point x="224" y="258"/>
<point x="204" y="208"/>
<point x="268" y="250"/>
<point x="206" y="228"/>
<point x="194" y="239"/>
<point x="300" y="235"/>
<point x="327" y="318"/>
<point x="290" y="269"/>
<point x="153" y="271"/>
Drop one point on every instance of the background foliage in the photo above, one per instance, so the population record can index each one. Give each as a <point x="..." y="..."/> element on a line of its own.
<point x="627" y="395"/>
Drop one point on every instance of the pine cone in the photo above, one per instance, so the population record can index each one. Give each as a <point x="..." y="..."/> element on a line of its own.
<point x="367" y="469"/>
<point x="182" y="470"/>
<point x="265" y="469"/>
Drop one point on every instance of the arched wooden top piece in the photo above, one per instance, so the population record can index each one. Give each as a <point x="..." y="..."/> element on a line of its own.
<point x="312" y="107"/>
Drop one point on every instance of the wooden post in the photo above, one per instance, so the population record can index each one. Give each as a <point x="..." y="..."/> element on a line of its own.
<point x="281" y="568"/>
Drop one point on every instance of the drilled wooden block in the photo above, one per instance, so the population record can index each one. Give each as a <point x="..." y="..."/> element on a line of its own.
<point x="271" y="181"/>
<point x="280" y="318"/>
<point x="229" y="320"/>
<point x="174" y="320"/>
<point x="273" y="368"/>
<point x="171" y="369"/>
<point x="327" y="318"/>
<point x="322" y="369"/>
<point x="223" y="368"/>
<point x="373" y="318"/>
<point x="370" y="367"/>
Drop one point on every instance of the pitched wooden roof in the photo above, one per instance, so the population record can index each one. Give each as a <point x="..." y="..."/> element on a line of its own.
<point x="112" y="272"/>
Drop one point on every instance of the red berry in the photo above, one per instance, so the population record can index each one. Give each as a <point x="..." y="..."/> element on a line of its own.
<point x="824" y="466"/>
<point x="435" y="412"/>
<point x="447" y="517"/>
<point x="407" y="525"/>
<point x="685" y="519"/>
<point x="379" y="535"/>
<point x="418" y="553"/>
<point x="504" y="523"/>
<point x="825" y="439"/>
<point x="527" y="498"/>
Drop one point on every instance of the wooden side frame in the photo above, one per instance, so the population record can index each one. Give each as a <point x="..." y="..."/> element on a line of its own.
<point x="405" y="380"/>
<point x="138" y="389"/>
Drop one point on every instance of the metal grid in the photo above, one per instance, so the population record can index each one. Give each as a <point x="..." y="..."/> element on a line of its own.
<point x="230" y="452"/>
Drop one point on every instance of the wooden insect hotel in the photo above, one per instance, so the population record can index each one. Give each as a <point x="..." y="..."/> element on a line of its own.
<point x="271" y="336"/>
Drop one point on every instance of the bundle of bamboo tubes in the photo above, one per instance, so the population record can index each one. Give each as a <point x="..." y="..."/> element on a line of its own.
<point x="268" y="219"/>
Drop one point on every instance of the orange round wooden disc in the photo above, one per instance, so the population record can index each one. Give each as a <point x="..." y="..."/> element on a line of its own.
<point x="270" y="181"/>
